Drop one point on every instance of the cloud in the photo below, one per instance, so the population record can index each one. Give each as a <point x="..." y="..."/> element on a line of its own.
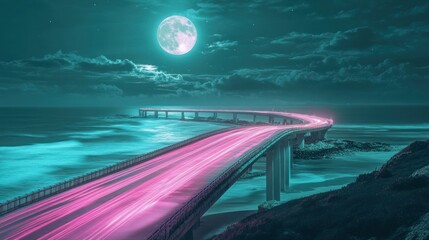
<point x="300" y="42"/>
<point x="292" y="8"/>
<point x="337" y="52"/>
<point x="107" y="89"/>
<point x="331" y="80"/>
<point x="239" y="83"/>
<point x="220" y="46"/>
<point x="312" y="77"/>
<point x="413" y="11"/>
<point x="299" y="37"/>
<point x="103" y="65"/>
<point x="347" y="14"/>
<point x="269" y="55"/>
<point x="353" y="39"/>
<point x="70" y="73"/>
<point x="47" y="62"/>
<point x="72" y="61"/>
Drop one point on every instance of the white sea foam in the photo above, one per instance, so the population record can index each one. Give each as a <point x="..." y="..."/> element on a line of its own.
<point x="61" y="155"/>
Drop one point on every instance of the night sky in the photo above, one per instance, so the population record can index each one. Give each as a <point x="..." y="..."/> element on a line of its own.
<point x="105" y="53"/>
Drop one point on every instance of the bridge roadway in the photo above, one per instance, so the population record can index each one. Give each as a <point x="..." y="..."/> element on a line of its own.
<point x="136" y="202"/>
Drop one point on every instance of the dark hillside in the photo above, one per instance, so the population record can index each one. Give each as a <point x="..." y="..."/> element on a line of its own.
<point x="390" y="203"/>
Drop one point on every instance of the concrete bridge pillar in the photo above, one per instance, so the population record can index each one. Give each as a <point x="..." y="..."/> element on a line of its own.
<point x="156" y="114"/>
<point x="269" y="176"/>
<point x="273" y="174"/>
<point x="254" y="118"/>
<point x="322" y="135"/>
<point x="189" y="235"/>
<point x="300" y="141"/>
<point x="270" y="119"/>
<point x="140" y="113"/>
<point x="183" y="115"/>
<point x="166" y="114"/>
<point x="196" y="115"/>
<point x="215" y="115"/>
<point x="316" y="136"/>
<point x="313" y="138"/>
<point x="285" y="165"/>
<point x="291" y="155"/>
<point x="143" y="113"/>
<point x="234" y="117"/>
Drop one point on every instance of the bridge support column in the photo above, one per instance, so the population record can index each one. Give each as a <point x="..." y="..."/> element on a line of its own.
<point x="300" y="141"/>
<point x="273" y="174"/>
<point x="322" y="135"/>
<point x="269" y="176"/>
<point x="156" y="114"/>
<point x="291" y="156"/>
<point x="313" y="138"/>
<point x="196" y="115"/>
<point x="285" y="165"/>
<point x="166" y="115"/>
<point x="183" y="115"/>
<point x="189" y="235"/>
<point x="234" y="117"/>
<point x="254" y="118"/>
<point x="316" y="136"/>
<point x="215" y="115"/>
<point x="270" y="119"/>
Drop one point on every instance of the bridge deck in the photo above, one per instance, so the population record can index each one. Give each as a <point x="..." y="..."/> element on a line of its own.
<point x="133" y="203"/>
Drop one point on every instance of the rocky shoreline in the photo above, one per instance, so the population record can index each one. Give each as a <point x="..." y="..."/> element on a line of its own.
<point x="390" y="203"/>
<point x="329" y="147"/>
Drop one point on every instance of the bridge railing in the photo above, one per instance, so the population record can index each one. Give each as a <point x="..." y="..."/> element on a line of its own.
<point x="46" y="192"/>
<point x="167" y="228"/>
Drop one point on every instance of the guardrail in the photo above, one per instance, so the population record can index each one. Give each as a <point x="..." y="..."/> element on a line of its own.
<point x="49" y="191"/>
<point x="166" y="230"/>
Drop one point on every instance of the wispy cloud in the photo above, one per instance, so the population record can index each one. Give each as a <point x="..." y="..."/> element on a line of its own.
<point x="269" y="55"/>
<point x="220" y="46"/>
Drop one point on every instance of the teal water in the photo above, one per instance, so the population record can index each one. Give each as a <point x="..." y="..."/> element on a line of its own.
<point x="40" y="147"/>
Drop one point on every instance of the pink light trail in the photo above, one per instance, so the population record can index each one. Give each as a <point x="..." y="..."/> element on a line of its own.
<point x="134" y="202"/>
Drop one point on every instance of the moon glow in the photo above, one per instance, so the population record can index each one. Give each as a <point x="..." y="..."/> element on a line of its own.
<point x="177" y="35"/>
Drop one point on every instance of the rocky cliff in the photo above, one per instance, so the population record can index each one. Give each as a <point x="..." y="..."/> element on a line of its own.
<point x="390" y="203"/>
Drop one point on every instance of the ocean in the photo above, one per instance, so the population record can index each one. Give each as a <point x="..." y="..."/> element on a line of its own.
<point x="42" y="146"/>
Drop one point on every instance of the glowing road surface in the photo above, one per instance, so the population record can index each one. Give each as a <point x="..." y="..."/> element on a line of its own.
<point x="134" y="202"/>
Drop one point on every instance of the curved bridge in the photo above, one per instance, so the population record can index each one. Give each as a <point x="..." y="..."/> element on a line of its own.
<point x="162" y="195"/>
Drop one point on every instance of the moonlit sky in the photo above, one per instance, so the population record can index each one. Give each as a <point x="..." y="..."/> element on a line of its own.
<point x="105" y="53"/>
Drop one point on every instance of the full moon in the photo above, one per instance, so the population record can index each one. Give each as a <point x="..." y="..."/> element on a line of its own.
<point x="177" y="35"/>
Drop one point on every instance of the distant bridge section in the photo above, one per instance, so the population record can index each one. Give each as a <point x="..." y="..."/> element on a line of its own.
<point x="227" y="116"/>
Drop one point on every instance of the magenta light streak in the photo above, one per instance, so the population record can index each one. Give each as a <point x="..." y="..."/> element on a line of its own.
<point x="134" y="202"/>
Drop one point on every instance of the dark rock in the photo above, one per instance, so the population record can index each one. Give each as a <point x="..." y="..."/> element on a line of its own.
<point x="329" y="147"/>
<point x="383" y="173"/>
<point x="387" y="204"/>
<point x="410" y="183"/>
<point x="366" y="177"/>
